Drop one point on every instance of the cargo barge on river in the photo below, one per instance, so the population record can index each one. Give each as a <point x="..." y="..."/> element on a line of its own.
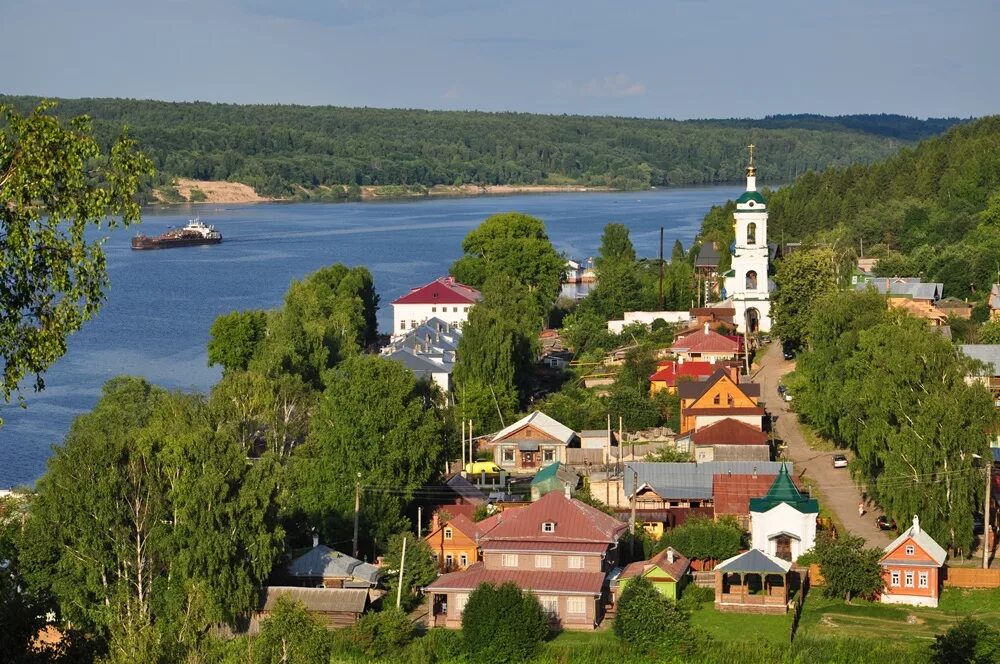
<point x="193" y="234"/>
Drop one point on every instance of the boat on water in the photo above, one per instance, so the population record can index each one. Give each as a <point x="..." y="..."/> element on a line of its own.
<point x="193" y="234"/>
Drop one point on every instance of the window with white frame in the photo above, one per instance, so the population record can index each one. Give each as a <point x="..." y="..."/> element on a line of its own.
<point x="543" y="562"/>
<point x="549" y="604"/>
<point x="447" y="533"/>
<point x="449" y="561"/>
<point x="574" y="562"/>
<point x="402" y="324"/>
<point x="454" y="310"/>
<point x="508" y="455"/>
<point x="463" y="560"/>
<point x="895" y="578"/>
<point x="548" y="527"/>
<point x="460" y="601"/>
<point x="922" y="580"/>
<point x="576" y="606"/>
<point x="509" y="560"/>
<point x="549" y="454"/>
<point x="909" y="579"/>
<point x="909" y="549"/>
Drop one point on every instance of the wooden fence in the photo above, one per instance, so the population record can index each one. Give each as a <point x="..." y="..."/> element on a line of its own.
<point x="576" y="456"/>
<point x="967" y="577"/>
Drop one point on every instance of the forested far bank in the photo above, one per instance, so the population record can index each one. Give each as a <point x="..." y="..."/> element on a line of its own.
<point x="329" y="152"/>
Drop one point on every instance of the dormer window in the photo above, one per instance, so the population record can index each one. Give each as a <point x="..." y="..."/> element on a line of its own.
<point x="548" y="527"/>
<point x="447" y="533"/>
<point x="909" y="549"/>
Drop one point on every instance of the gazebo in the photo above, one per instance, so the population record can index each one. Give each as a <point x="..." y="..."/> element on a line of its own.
<point x="752" y="582"/>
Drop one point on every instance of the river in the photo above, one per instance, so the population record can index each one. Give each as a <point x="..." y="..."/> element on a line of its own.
<point x="161" y="304"/>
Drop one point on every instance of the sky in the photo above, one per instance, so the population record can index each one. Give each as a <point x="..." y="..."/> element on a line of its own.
<point x="660" y="58"/>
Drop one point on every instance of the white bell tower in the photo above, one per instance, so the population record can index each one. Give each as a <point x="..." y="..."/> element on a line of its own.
<point x="747" y="285"/>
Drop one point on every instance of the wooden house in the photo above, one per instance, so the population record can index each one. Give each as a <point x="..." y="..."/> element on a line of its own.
<point x="667" y="571"/>
<point x="455" y="542"/>
<point x="730" y="440"/>
<point x="752" y="582"/>
<point x="718" y="398"/>
<point x="334" y="607"/>
<point x="532" y="442"/>
<point x="911" y="568"/>
<point x="323" y="567"/>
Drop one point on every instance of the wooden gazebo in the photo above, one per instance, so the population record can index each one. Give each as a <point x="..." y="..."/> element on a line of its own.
<point x="752" y="582"/>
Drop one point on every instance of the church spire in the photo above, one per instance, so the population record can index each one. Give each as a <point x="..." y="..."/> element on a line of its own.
<point x="751" y="171"/>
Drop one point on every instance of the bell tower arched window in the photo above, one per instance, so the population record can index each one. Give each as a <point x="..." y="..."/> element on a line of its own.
<point x="751" y="281"/>
<point x="752" y="233"/>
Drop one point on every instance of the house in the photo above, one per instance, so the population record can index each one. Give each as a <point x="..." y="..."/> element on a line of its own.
<point x="323" y="567"/>
<point x="428" y="350"/>
<point x="994" y="302"/>
<point x="706" y="264"/>
<point x="533" y="441"/>
<point x="718" y="398"/>
<point x="705" y="345"/>
<point x="730" y="439"/>
<point x="456" y="496"/>
<point x="952" y="306"/>
<point x="911" y="568"/>
<point x="334" y="607"/>
<point x="668" y="374"/>
<point x="455" y="542"/>
<point x="912" y="288"/>
<point x="442" y="298"/>
<point x="783" y="522"/>
<point x="934" y="316"/>
<point x="424" y="368"/>
<point x="559" y="549"/>
<point x="554" y="477"/>
<point x="647" y="318"/>
<point x="752" y="582"/>
<point x="667" y="571"/>
<point x="989" y="374"/>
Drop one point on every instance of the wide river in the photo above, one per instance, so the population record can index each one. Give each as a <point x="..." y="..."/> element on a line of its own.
<point x="161" y="304"/>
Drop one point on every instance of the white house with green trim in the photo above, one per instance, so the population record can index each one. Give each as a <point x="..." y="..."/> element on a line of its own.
<point x="747" y="287"/>
<point x="783" y="522"/>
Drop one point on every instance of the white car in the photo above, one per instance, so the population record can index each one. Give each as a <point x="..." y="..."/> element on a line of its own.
<point x="839" y="461"/>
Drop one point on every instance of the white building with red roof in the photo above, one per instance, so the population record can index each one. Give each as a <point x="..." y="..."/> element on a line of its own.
<point x="558" y="548"/>
<point x="443" y="298"/>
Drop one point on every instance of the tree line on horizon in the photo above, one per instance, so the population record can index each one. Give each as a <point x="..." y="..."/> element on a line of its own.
<point x="331" y="152"/>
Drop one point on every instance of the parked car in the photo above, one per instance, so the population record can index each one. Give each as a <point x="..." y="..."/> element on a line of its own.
<point x="788" y="351"/>
<point x="480" y="467"/>
<point x="977" y="523"/>
<point x="885" y="523"/>
<point x="839" y="461"/>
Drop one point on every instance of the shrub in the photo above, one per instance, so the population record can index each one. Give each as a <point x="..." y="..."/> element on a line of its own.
<point x="502" y="624"/>
<point x="694" y="596"/>
<point x="849" y="569"/>
<point x="383" y="633"/>
<point x="705" y="539"/>
<point x="647" y="621"/>
<point x="291" y="635"/>
<point x="437" y="646"/>
<point x="968" y="642"/>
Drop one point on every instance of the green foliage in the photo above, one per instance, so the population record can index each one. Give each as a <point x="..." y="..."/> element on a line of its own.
<point x="262" y="413"/>
<point x="803" y="277"/>
<point x="849" y="569"/>
<point x="705" y="539"/>
<point x="502" y="624"/>
<point x="635" y="408"/>
<point x="616" y="247"/>
<point x="235" y="338"/>
<point x="420" y="569"/>
<point x="374" y="418"/>
<point x="290" y="635"/>
<point x="586" y="331"/>
<point x="694" y="597"/>
<point x="639" y="365"/>
<point x="969" y="642"/>
<point x="647" y="621"/>
<point x="384" y="633"/>
<point x="668" y="455"/>
<point x="57" y="186"/>
<point x="576" y="407"/>
<point x="989" y="332"/>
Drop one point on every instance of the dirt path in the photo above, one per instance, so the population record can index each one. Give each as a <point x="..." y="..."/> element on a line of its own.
<point x="838" y="492"/>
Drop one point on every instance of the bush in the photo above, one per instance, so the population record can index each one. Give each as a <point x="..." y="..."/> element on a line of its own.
<point x="383" y="633"/>
<point x="437" y="646"/>
<point x="502" y="624"/>
<point x="647" y="621"/>
<point x="849" y="569"/>
<point x="693" y="597"/>
<point x="968" y="642"/>
<point x="705" y="539"/>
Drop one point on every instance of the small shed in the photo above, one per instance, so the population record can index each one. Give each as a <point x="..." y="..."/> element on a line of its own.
<point x="667" y="571"/>
<point x="553" y="477"/>
<point x="752" y="582"/>
<point x="335" y="607"/>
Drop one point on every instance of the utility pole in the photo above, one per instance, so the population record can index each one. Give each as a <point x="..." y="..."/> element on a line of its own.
<point x="987" y="530"/>
<point x="620" y="433"/>
<point x="660" y="300"/>
<point x="464" y="467"/>
<point x="420" y="521"/>
<point x="470" y="440"/>
<point x="402" y="562"/>
<point x="631" y="520"/>
<point x="357" y="512"/>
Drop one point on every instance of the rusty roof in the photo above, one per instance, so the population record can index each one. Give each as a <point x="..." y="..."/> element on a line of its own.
<point x="729" y="432"/>
<point x="561" y="583"/>
<point x="574" y="522"/>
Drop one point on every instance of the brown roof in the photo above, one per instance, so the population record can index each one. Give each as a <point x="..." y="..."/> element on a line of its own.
<point x="574" y="522"/>
<point x="729" y="432"/>
<point x="748" y="410"/>
<point x="732" y="492"/>
<point x="323" y="600"/>
<point x="705" y="342"/>
<point x="464" y="525"/>
<point x="562" y="583"/>
<point x="676" y="569"/>
<point x="555" y="547"/>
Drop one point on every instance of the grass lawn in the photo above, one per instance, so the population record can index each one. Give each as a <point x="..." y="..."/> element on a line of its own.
<point x="823" y="617"/>
<point x="742" y="626"/>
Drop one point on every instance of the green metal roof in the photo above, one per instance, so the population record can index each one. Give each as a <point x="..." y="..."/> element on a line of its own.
<point x="546" y="473"/>
<point x="751" y="196"/>
<point x="784" y="491"/>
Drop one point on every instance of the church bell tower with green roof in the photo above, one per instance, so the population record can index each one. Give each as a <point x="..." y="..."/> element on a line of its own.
<point x="747" y="286"/>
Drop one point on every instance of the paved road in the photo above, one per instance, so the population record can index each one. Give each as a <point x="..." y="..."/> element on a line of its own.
<point x="838" y="492"/>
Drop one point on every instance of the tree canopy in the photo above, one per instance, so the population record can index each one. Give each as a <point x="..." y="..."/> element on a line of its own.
<point x="502" y="624"/>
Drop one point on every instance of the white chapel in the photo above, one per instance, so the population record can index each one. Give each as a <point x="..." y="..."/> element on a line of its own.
<point x="747" y="287"/>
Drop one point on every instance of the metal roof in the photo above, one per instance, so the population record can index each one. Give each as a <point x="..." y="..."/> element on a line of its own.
<point x="542" y="422"/>
<point x="754" y="560"/>
<point x="922" y="539"/>
<point x="322" y="561"/>
<point x="988" y="354"/>
<point x="691" y="480"/>
<point x="910" y="287"/>
<point x="323" y="600"/>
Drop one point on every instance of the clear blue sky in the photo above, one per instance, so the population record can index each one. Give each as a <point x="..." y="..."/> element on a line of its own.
<point x="656" y="58"/>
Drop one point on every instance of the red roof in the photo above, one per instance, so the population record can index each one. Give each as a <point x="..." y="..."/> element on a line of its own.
<point x="443" y="290"/>
<point x="554" y="547"/>
<point x="755" y="410"/>
<point x="729" y="432"/>
<point x="675" y="569"/>
<point x="574" y="522"/>
<point x="672" y="371"/>
<point x="560" y="583"/>
<point x="706" y="342"/>
<point x="732" y="493"/>
<point x="464" y="525"/>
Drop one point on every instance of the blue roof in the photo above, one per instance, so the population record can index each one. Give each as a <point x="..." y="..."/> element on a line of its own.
<point x="692" y="480"/>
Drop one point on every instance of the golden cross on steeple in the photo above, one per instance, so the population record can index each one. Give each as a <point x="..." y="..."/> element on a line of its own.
<point x="751" y="169"/>
<point x="751" y="146"/>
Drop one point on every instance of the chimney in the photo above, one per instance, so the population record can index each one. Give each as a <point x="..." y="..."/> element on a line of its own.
<point x="315" y="540"/>
<point x="670" y="555"/>
<point x="706" y="328"/>
<point x="916" y="525"/>
<point x="435" y="522"/>
<point x="755" y="472"/>
<point x="567" y="490"/>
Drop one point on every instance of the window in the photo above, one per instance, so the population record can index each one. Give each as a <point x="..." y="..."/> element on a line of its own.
<point x="548" y="454"/>
<point x="576" y="606"/>
<point x="454" y="310"/>
<point x="717" y="400"/>
<point x="922" y="580"/>
<point x="434" y="310"/>
<point x="543" y="562"/>
<point x="909" y="549"/>
<point x="895" y="578"/>
<point x="751" y="233"/>
<point x="460" y="600"/>
<point x="463" y="560"/>
<point x="402" y="324"/>
<point x="447" y="533"/>
<point x="575" y="562"/>
<point x="449" y="561"/>
<point x="909" y="579"/>
<point x="550" y="605"/>
<point x="466" y="310"/>
<point x="548" y="527"/>
<point x="751" y="280"/>
<point x="508" y="455"/>
<point x="413" y="324"/>
<point x="509" y="560"/>
<point x="730" y="401"/>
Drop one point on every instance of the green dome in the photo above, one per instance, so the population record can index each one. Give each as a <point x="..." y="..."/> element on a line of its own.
<point x="751" y="196"/>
